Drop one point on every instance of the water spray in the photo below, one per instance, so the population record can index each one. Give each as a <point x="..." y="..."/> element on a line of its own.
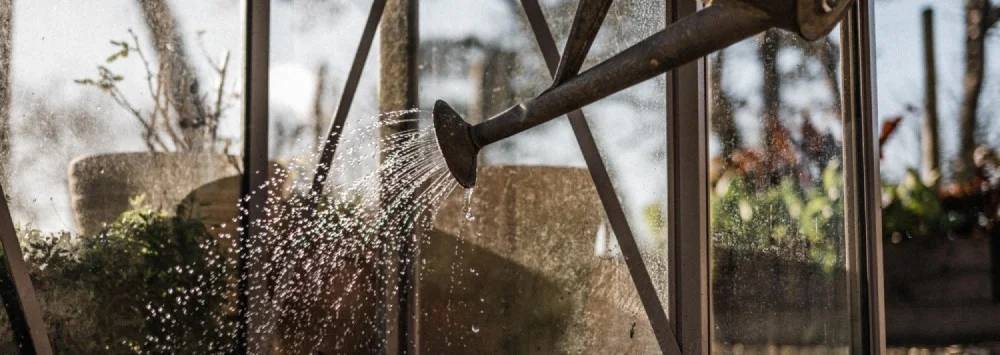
<point x="715" y="27"/>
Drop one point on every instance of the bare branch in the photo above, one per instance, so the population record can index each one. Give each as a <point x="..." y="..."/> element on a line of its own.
<point x="220" y="91"/>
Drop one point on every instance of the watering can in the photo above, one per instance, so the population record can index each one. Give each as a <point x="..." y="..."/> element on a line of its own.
<point x="715" y="27"/>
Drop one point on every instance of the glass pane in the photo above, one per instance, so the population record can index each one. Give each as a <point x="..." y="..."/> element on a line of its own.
<point x="6" y="11"/>
<point x="630" y="129"/>
<point x="776" y="197"/>
<point x="536" y="269"/>
<point x="120" y="162"/>
<point x="938" y="91"/>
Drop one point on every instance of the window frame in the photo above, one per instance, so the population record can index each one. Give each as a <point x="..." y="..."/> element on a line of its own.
<point x="688" y="309"/>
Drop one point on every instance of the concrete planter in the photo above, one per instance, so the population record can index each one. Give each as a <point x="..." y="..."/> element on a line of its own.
<point x="101" y="185"/>
<point x="940" y="291"/>
<point x="773" y="298"/>
<point x="523" y="277"/>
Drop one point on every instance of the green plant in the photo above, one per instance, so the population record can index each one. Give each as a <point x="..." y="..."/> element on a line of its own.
<point x="794" y="221"/>
<point x="148" y="283"/>
<point x="167" y="276"/>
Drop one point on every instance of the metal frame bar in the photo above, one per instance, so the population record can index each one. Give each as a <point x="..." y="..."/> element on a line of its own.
<point x="23" y="309"/>
<point x="863" y="207"/>
<point x="687" y="137"/>
<point x="255" y="158"/>
<point x="687" y="186"/>
<point x="347" y="97"/>
<point x="606" y="191"/>
<point x="399" y="90"/>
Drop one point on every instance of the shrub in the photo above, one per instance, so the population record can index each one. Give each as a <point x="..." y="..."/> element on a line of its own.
<point x="149" y="283"/>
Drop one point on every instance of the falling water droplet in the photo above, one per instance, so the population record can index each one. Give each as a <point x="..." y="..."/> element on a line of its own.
<point x="468" y="204"/>
<point x="475" y="329"/>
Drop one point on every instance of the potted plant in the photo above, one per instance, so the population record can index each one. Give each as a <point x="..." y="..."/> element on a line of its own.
<point x="180" y="129"/>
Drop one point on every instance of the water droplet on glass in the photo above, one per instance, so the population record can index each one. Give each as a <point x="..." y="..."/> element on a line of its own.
<point x="475" y="329"/>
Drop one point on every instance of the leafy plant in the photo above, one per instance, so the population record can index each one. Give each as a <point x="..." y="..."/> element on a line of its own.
<point x="149" y="283"/>
<point x="167" y="276"/>
<point x="794" y="221"/>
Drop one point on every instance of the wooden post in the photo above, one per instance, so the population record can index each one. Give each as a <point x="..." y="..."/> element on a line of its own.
<point x="398" y="91"/>
<point x="931" y="157"/>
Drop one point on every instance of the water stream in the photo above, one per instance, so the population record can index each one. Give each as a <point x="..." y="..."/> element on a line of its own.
<point x="310" y="273"/>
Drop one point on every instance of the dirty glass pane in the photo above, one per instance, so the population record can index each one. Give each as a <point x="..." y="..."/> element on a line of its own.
<point x="306" y="78"/>
<point x="937" y="100"/>
<point x="776" y="197"/>
<point x="630" y="129"/>
<point x="6" y="11"/>
<point x="120" y="131"/>
<point x="535" y="268"/>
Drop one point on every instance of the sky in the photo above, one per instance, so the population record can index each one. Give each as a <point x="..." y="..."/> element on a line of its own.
<point x="57" y="41"/>
<point x="901" y="76"/>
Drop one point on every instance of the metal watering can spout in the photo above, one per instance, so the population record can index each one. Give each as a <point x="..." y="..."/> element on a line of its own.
<point x="717" y="26"/>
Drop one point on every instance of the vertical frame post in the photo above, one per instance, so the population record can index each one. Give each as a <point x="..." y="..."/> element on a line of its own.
<point x="256" y="14"/>
<point x="398" y="90"/>
<point x="863" y="207"/>
<point x="687" y="191"/>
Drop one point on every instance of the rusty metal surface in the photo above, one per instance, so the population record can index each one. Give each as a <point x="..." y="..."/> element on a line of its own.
<point x="683" y="41"/>
<point x="587" y="22"/>
<point x="602" y="181"/>
<point x="23" y="309"/>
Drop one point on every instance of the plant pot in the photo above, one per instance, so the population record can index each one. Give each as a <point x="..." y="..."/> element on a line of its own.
<point x="524" y="276"/>
<point x="101" y="186"/>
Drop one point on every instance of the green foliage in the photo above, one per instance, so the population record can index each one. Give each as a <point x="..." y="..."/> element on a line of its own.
<point x="149" y="283"/>
<point x="912" y="208"/>
<point x="164" y="274"/>
<point x="789" y="219"/>
<point x="105" y="80"/>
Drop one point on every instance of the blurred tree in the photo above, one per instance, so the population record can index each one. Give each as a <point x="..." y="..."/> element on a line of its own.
<point x="770" y="43"/>
<point x="931" y="148"/>
<point x="722" y="111"/>
<point x="185" y="94"/>
<point x="980" y="16"/>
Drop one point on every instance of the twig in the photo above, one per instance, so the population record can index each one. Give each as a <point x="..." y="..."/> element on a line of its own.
<point x="219" y="94"/>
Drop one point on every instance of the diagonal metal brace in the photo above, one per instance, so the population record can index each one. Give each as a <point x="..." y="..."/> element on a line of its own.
<point x="19" y="299"/>
<point x="347" y="98"/>
<point x="602" y="181"/>
<point x="589" y="17"/>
